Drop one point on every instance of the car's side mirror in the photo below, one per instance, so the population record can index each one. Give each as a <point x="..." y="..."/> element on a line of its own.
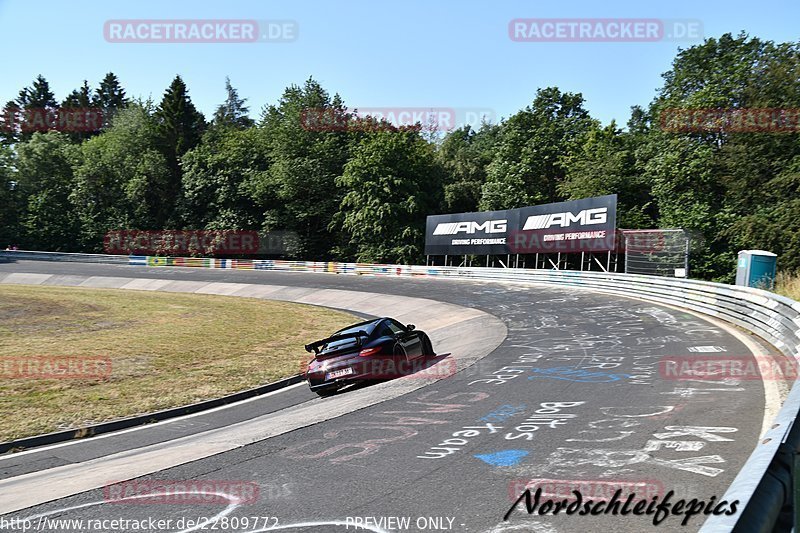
<point x="410" y="327"/>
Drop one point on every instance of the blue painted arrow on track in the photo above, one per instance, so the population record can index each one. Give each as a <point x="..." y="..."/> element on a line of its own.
<point x="504" y="458"/>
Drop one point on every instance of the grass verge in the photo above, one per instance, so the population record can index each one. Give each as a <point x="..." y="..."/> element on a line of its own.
<point x="165" y="349"/>
<point x="788" y="284"/>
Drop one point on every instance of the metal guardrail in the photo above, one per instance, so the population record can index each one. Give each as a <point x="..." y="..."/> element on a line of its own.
<point x="765" y="485"/>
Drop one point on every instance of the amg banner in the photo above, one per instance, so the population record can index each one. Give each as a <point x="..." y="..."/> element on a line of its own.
<point x="587" y="225"/>
<point x="483" y="233"/>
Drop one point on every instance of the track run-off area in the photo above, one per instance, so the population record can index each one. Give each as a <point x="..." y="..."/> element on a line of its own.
<point x="556" y="388"/>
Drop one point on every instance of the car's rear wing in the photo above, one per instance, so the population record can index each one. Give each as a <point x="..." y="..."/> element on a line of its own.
<point x="314" y="346"/>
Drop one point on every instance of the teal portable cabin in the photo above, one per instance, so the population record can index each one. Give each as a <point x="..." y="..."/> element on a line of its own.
<point x="756" y="268"/>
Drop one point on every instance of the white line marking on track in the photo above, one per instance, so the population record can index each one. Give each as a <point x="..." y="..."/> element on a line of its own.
<point x="148" y="426"/>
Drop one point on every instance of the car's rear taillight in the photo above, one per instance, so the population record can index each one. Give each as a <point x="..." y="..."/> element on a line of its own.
<point x="369" y="351"/>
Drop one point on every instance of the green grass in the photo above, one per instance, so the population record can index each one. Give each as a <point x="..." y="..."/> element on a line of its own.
<point x="166" y="350"/>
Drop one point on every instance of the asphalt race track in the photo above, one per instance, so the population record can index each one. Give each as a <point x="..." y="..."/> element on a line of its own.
<point x="572" y="399"/>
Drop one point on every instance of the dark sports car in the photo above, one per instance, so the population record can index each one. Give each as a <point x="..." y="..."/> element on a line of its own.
<point x="377" y="349"/>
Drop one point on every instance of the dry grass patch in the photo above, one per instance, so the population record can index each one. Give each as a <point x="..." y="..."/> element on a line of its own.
<point x="788" y="284"/>
<point x="166" y="350"/>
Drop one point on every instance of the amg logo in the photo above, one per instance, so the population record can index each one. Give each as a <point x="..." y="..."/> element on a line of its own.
<point x="587" y="217"/>
<point x="470" y="227"/>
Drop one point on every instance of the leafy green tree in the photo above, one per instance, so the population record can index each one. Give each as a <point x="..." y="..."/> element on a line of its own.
<point x="233" y="112"/>
<point x="775" y="224"/>
<point x="606" y="164"/>
<point x="10" y="200"/>
<point x="392" y="181"/>
<point x="528" y="163"/>
<point x="464" y="155"/>
<point x="707" y="179"/>
<point x="121" y="178"/>
<point x="218" y="177"/>
<point x="299" y="191"/>
<point x="45" y="179"/>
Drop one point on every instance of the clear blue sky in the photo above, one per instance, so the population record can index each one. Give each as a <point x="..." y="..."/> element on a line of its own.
<point x="375" y="53"/>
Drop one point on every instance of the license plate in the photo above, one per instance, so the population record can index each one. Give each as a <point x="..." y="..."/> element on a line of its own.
<point x="339" y="373"/>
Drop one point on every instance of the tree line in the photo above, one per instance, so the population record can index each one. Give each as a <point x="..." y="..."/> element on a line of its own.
<point x="362" y="192"/>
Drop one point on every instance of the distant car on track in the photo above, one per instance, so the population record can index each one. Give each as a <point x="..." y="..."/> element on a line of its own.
<point x="378" y="349"/>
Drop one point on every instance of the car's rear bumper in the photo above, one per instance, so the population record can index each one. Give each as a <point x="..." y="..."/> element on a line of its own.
<point x="373" y="368"/>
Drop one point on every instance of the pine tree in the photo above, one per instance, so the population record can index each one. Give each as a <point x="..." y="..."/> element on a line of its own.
<point x="79" y="97"/>
<point x="38" y="95"/>
<point x="179" y="127"/>
<point x="76" y="116"/>
<point x="9" y="123"/>
<point x="232" y="113"/>
<point x="109" y="97"/>
<point x="38" y="106"/>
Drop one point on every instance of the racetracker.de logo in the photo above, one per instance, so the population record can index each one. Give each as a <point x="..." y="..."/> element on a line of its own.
<point x="604" y="30"/>
<point x="388" y="368"/>
<point x="441" y="119"/>
<point x="55" y="367"/>
<point x="200" y="31"/>
<point x="178" y="242"/>
<point x="730" y="120"/>
<point x="64" y="119"/>
<point x="182" y="492"/>
<point x="726" y="367"/>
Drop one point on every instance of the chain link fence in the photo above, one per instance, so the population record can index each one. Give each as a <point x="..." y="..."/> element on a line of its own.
<point x="657" y="252"/>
